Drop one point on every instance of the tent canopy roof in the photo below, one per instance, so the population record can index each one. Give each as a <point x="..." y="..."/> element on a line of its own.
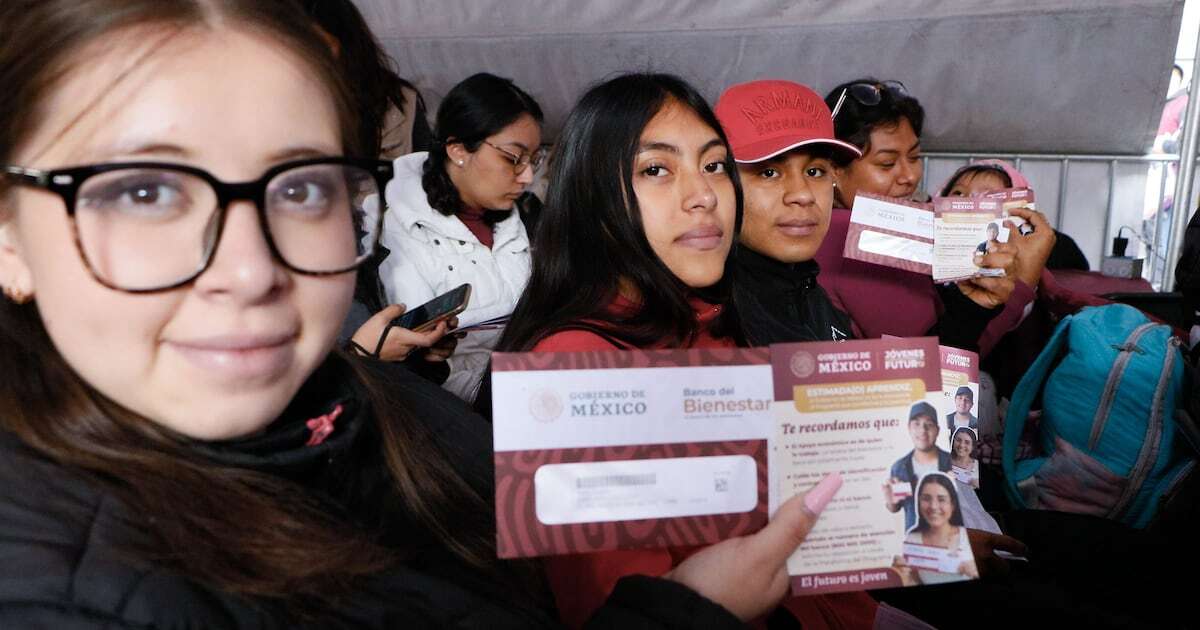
<point x="995" y="75"/>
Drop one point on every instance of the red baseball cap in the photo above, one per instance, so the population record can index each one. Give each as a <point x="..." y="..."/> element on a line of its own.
<point x="766" y="118"/>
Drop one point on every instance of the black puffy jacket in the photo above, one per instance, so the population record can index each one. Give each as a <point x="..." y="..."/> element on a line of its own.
<point x="61" y="531"/>
<point x="780" y="302"/>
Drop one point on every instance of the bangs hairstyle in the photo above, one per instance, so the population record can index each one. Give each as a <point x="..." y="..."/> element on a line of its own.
<point x="974" y="170"/>
<point x="591" y="235"/>
<point x="855" y="121"/>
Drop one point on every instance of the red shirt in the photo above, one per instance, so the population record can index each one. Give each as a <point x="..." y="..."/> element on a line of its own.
<point x="582" y="340"/>
<point x="473" y="219"/>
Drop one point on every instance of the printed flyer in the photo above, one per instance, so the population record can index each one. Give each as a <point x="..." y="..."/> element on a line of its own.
<point x="914" y="237"/>
<point x="891" y="232"/>
<point x="629" y="449"/>
<point x="962" y="228"/>
<point x="960" y="390"/>
<point x="869" y="410"/>
<point x="1012" y="198"/>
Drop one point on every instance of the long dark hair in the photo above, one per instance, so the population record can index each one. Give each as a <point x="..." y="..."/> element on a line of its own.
<point x="368" y="68"/>
<point x="479" y="106"/>
<point x="944" y="481"/>
<point x="232" y="529"/>
<point x="855" y="121"/>
<point x="590" y="235"/>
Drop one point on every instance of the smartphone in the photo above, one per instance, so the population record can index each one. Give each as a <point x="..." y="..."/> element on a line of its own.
<point x="440" y="308"/>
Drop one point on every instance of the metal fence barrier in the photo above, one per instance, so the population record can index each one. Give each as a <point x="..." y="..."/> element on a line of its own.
<point x="1157" y="269"/>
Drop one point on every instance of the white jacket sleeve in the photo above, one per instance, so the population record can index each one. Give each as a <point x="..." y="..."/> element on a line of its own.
<point x="405" y="280"/>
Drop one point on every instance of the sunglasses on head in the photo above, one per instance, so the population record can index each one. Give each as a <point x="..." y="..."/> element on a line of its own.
<point x="870" y="93"/>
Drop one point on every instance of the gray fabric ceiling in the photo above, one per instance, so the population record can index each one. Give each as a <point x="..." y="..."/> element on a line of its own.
<point x="994" y="75"/>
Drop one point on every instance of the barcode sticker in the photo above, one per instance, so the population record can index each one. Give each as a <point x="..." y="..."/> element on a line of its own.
<point x="616" y="480"/>
<point x="598" y="492"/>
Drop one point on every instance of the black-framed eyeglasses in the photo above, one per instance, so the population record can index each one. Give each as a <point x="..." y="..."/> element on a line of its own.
<point x="142" y="227"/>
<point x="870" y="93"/>
<point x="524" y="159"/>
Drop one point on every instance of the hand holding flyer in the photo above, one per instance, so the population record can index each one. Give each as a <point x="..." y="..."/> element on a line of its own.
<point x="1012" y="198"/>
<point x="867" y="409"/>
<point x="945" y="240"/>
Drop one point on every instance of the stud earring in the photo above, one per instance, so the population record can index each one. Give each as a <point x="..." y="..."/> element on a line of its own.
<point x="16" y="295"/>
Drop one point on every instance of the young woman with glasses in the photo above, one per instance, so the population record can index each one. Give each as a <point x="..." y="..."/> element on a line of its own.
<point x="451" y="219"/>
<point x="182" y="447"/>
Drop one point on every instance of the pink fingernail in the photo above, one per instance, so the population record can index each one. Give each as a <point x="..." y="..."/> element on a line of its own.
<point x="817" y="498"/>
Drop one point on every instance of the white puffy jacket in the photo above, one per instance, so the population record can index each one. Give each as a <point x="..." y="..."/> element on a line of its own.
<point x="432" y="253"/>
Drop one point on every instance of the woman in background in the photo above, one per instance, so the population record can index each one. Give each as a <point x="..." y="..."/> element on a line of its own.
<point x="451" y="218"/>
<point x="885" y="121"/>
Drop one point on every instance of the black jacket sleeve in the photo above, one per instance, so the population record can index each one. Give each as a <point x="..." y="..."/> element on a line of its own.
<point x="963" y="322"/>
<point x="639" y="601"/>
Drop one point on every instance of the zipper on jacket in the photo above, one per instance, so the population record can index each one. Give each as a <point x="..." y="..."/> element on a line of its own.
<point x="1174" y="486"/>
<point x="1114" y="381"/>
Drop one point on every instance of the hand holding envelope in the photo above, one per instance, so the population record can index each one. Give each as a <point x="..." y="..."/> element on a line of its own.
<point x="748" y="575"/>
<point x="945" y="240"/>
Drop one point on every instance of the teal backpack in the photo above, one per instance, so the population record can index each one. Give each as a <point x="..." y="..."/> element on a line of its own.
<point x="1109" y="381"/>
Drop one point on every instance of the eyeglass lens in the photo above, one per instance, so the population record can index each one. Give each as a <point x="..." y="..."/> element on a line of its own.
<point x="522" y="159"/>
<point x="145" y="228"/>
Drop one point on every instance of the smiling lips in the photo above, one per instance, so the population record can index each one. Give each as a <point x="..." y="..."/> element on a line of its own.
<point x="703" y="238"/>
<point x="240" y="356"/>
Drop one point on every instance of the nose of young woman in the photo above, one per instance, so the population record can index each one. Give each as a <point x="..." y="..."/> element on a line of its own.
<point x="242" y="268"/>
<point x="525" y="177"/>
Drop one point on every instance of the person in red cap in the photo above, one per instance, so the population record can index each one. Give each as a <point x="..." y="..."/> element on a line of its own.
<point x="782" y="137"/>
